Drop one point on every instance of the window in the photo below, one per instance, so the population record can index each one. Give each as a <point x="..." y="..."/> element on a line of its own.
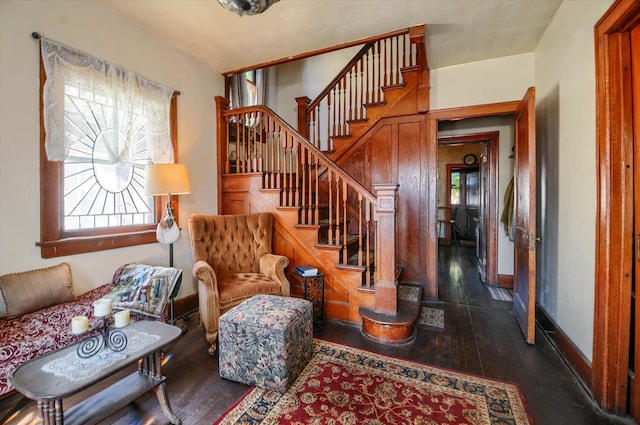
<point x="455" y="188"/>
<point x="247" y="88"/>
<point x="101" y="126"/>
<point x="251" y="88"/>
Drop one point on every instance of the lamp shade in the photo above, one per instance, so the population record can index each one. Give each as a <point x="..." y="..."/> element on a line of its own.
<point x="163" y="179"/>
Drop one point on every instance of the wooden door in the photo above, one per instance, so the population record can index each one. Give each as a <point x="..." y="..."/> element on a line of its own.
<point x="634" y="343"/>
<point x="483" y="230"/>
<point x="524" y="291"/>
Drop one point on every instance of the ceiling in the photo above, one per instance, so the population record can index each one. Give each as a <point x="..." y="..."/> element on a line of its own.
<point x="458" y="31"/>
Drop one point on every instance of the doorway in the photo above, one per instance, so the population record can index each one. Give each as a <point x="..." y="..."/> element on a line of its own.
<point x="468" y="191"/>
<point x="521" y="115"/>
<point x="616" y="355"/>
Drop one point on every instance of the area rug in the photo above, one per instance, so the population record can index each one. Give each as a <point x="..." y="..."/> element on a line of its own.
<point x="344" y="385"/>
<point x="432" y="316"/>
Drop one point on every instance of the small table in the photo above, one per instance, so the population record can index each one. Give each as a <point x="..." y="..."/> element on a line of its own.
<point x="313" y="287"/>
<point x="49" y="388"/>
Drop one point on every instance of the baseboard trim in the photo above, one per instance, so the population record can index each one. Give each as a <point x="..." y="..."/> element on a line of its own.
<point x="580" y="366"/>
<point x="185" y="305"/>
<point x="505" y="280"/>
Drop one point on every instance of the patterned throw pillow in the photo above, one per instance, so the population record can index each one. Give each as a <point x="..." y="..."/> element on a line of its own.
<point x="144" y="289"/>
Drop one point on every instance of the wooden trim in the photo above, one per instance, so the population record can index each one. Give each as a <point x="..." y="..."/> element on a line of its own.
<point x="185" y="305"/>
<point x="475" y="111"/>
<point x="614" y="213"/>
<point x="318" y="52"/>
<point x="578" y="363"/>
<point x="505" y="280"/>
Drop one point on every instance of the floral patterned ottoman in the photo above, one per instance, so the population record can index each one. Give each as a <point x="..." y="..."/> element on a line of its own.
<point x="266" y="341"/>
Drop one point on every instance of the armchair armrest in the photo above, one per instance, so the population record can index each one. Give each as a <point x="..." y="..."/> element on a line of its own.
<point x="204" y="272"/>
<point x="272" y="266"/>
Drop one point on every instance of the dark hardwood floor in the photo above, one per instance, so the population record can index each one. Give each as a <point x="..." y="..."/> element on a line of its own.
<point x="481" y="337"/>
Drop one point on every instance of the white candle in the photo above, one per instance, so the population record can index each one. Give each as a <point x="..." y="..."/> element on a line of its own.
<point x="102" y="307"/>
<point x="79" y="325"/>
<point x="122" y="319"/>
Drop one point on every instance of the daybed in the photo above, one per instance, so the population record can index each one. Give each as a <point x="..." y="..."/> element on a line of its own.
<point x="36" y="308"/>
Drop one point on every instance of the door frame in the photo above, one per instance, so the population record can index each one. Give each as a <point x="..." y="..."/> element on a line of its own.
<point x="450" y="114"/>
<point x="491" y="139"/>
<point x="614" y="209"/>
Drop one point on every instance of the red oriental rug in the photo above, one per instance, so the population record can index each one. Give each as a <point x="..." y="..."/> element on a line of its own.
<point x="344" y="385"/>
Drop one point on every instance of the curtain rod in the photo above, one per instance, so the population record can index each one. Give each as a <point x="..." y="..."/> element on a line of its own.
<point x="38" y="36"/>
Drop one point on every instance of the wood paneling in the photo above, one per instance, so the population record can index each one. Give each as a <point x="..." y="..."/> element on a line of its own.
<point x="394" y="151"/>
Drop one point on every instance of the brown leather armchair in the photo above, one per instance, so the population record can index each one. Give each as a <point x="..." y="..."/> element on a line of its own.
<point x="232" y="261"/>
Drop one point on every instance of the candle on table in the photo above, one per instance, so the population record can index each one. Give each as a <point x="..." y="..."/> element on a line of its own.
<point x="102" y="307"/>
<point x="79" y="325"/>
<point x="122" y="319"/>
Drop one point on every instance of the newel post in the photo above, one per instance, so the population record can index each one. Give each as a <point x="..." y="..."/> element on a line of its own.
<point x="303" y="116"/>
<point x="386" y="290"/>
<point x="418" y="38"/>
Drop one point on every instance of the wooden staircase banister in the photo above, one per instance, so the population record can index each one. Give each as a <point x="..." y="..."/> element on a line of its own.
<point x="377" y="65"/>
<point x="341" y="75"/>
<point x="256" y="141"/>
<point x="299" y="138"/>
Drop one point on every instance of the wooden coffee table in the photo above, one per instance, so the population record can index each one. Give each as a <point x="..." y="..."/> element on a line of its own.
<point x="49" y="389"/>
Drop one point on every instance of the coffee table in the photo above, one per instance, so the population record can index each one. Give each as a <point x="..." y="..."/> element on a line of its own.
<point x="54" y="376"/>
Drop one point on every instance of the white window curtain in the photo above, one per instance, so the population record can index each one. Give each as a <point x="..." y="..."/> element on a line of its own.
<point x="238" y="90"/>
<point x="124" y="95"/>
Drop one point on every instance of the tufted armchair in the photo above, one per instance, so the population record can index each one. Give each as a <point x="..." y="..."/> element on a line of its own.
<point x="232" y="261"/>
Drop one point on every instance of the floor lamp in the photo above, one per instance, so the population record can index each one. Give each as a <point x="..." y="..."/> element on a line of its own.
<point x="161" y="180"/>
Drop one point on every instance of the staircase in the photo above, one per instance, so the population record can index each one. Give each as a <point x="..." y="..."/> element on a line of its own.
<point x="323" y="215"/>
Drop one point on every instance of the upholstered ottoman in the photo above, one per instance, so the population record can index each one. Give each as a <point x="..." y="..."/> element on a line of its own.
<point x="266" y="341"/>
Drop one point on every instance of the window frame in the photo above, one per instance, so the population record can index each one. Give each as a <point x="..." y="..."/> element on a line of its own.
<point x="54" y="241"/>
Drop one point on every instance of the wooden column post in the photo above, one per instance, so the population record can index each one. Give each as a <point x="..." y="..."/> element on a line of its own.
<point x="222" y="104"/>
<point x="386" y="290"/>
<point x="303" y="116"/>
<point x="417" y="37"/>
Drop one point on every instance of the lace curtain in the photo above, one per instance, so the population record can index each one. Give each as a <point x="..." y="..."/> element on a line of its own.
<point x="123" y="100"/>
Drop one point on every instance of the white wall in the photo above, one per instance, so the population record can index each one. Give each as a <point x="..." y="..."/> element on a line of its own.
<point x="98" y="31"/>
<point x="566" y="131"/>
<point x="490" y="81"/>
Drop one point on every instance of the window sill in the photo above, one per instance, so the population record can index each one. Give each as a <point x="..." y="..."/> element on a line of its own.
<point x="81" y="245"/>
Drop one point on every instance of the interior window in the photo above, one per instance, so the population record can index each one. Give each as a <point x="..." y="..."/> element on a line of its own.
<point x="455" y="188"/>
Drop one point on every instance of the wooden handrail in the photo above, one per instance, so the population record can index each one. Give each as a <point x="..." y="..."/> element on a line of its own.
<point x="339" y="76"/>
<point x="377" y="65"/>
